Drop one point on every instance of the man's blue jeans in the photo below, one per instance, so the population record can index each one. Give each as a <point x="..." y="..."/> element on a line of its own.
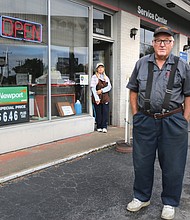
<point x="169" y="138"/>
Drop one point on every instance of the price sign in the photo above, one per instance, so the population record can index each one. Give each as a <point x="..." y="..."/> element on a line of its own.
<point x="14" y="105"/>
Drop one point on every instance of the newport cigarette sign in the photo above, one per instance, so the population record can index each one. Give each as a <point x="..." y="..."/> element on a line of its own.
<point x="14" y="105"/>
<point x="13" y="95"/>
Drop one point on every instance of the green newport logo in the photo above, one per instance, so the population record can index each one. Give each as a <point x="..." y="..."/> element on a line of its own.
<point x="13" y="95"/>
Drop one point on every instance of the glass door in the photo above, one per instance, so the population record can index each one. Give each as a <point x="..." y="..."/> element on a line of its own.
<point x="102" y="52"/>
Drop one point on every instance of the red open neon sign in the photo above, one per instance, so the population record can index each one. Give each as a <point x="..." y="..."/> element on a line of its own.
<point x="20" y="29"/>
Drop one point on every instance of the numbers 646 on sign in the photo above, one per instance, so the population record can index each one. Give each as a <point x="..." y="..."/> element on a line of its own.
<point x="9" y="116"/>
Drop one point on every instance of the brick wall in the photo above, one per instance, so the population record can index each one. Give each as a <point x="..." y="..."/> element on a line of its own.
<point x="126" y="53"/>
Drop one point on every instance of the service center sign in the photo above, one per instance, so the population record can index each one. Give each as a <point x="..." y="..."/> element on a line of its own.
<point x="19" y="29"/>
<point x="14" y="107"/>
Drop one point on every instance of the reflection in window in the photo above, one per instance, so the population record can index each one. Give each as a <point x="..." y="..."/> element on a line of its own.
<point x="69" y="54"/>
<point x="146" y="42"/>
<point x="29" y="60"/>
<point x="148" y="37"/>
<point x="101" y="23"/>
<point x="23" y="62"/>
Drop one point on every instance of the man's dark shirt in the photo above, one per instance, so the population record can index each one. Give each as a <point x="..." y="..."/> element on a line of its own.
<point x="181" y="87"/>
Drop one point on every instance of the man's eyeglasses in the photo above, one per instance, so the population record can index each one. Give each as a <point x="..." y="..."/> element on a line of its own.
<point x="166" y="42"/>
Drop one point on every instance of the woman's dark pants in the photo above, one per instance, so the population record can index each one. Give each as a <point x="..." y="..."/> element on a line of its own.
<point x="102" y="111"/>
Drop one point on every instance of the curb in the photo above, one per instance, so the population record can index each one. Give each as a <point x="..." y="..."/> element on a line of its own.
<point x="53" y="163"/>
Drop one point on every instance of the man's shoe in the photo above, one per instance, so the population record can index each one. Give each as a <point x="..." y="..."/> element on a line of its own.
<point x="168" y="212"/>
<point x="104" y="130"/>
<point x="135" y="205"/>
<point x="99" y="130"/>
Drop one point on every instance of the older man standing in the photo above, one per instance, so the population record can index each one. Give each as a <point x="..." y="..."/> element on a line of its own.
<point x="160" y="101"/>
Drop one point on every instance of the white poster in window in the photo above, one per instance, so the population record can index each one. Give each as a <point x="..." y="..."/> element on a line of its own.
<point x="83" y="79"/>
<point x="67" y="110"/>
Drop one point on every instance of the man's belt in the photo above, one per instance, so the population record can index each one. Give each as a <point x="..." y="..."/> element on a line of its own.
<point x="162" y="115"/>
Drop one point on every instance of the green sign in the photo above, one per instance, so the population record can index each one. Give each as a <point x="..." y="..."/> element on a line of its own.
<point x="14" y="105"/>
<point x="13" y="95"/>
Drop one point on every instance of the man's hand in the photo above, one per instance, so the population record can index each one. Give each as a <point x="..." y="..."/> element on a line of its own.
<point x="99" y="91"/>
<point x="187" y="108"/>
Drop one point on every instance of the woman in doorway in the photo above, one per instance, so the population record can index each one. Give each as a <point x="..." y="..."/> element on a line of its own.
<point x="100" y="86"/>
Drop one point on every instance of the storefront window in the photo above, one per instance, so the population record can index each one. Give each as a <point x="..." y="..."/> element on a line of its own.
<point x="145" y="42"/>
<point x="69" y="57"/>
<point x="101" y="23"/>
<point x="23" y="49"/>
<point x="24" y="56"/>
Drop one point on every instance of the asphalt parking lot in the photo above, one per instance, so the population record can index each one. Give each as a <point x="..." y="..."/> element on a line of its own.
<point x="96" y="186"/>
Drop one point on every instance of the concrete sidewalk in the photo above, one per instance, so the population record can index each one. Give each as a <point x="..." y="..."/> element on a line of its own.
<point x="23" y="162"/>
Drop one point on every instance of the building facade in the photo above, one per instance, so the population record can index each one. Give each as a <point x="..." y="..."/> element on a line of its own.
<point x="48" y="51"/>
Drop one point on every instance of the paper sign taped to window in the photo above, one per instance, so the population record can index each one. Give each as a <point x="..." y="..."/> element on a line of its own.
<point x="83" y="79"/>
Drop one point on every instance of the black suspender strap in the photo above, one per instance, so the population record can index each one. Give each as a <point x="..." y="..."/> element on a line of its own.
<point x="168" y="93"/>
<point x="148" y="86"/>
<point x="168" y="89"/>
